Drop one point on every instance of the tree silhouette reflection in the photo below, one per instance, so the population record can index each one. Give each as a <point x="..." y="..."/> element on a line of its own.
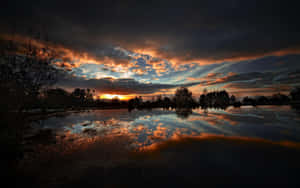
<point x="184" y="113"/>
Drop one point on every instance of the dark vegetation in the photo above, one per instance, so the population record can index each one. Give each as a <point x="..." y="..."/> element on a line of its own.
<point x="217" y="99"/>
<point x="24" y="72"/>
<point x="27" y="75"/>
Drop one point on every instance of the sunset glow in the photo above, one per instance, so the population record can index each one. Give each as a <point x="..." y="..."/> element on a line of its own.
<point x="168" y="93"/>
<point x="112" y="96"/>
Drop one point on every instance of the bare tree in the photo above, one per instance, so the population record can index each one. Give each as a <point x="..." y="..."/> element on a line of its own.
<point x="23" y="75"/>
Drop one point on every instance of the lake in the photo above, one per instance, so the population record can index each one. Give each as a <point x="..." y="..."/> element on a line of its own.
<point x="274" y="123"/>
<point x="247" y="144"/>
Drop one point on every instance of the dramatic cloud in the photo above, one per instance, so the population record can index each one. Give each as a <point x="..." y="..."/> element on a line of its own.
<point x="166" y="43"/>
<point x="117" y="86"/>
<point x="175" y="30"/>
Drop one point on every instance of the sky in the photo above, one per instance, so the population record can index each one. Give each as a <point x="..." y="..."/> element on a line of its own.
<point x="146" y="48"/>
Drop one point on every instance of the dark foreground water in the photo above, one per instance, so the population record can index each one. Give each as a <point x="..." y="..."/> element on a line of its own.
<point x="116" y="148"/>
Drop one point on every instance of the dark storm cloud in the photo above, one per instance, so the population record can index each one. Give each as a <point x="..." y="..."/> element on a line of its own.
<point x="186" y="30"/>
<point x="255" y="79"/>
<point x="120" y="86"/>
<point x="253" y="41"/>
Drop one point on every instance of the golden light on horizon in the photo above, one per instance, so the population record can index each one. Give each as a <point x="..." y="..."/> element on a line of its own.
<point x="112" y="96"/>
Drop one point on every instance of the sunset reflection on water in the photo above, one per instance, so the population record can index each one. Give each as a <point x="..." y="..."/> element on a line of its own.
<point x="139" y="129"/>
<point x="112" y="144"/>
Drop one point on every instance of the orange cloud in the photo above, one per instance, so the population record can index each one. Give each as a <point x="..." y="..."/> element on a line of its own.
<point x="213" y="77"/>
<point x="154" y="50"/>
<point x="159" y="67"/>
<point x="179" y="140"/>
<point x="139" y="71"/>
<point x="65" y="57"/>
<point x="241" y="91"/>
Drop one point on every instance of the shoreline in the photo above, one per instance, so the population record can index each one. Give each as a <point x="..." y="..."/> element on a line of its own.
<point x="38" y="113"/>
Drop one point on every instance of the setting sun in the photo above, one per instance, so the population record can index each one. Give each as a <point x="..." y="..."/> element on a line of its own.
<point x="111" y="96"/>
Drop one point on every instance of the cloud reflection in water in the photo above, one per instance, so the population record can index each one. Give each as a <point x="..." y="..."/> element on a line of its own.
<point x="144" y="128"/>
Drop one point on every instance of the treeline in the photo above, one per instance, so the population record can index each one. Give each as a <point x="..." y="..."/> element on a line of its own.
<point x="222" y="99"/>
<point x="81" y="98"/>
<point x="58" y="98"/>
<point x="217" y="99"/>
<point x="183" y="99"/>
<point x="276" y="99"/>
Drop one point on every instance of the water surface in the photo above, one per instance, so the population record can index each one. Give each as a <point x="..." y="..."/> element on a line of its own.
<point x="164" y="148"/>
<point x="144" y="128"/>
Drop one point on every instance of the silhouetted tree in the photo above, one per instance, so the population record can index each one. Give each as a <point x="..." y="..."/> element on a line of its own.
<point x="237" y="104"/>
<point x="79" y="94"/>
<point x="57" y="98"/>
<point x="183" y="98"/>
<point x="135" y="103"/>
<point x="24" y="71"/>
<point x="183" y="113"/>
<point x="167" y="103"/>
<point x="214" y="99"/>
<point x="279" y="99"/>
<point x="115" y="100"/>
<point x="295" y="94"/>
<point x="249" y="101"/>
<point x="232" y="99"/>
<point x="202" y="100"/>
<point x="159" y="99"/>
<point x="262" y="100"/>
